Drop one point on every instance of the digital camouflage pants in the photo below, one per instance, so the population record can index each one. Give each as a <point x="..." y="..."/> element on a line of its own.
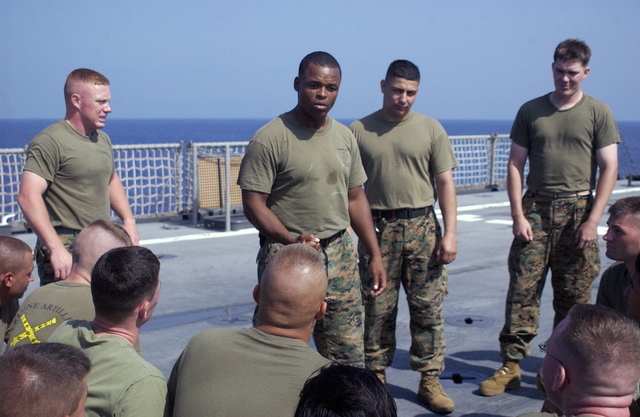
<point x="409" y="254"/>
<point x="554" y="223"/>
<point x="43" y="257"/>
<point x="339" y="334"/>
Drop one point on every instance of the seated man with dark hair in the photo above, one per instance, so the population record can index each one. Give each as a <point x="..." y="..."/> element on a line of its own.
<point x="43" y="380"/>
<point x="125" y="290"/>
<point x="259" y="371"/>
<point x="345" y="391"/>
<point x="592" y="363"/>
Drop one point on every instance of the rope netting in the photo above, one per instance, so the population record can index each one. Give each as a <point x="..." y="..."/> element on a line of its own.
<point x="157" y="183"/>
<point x="11" y="161"/>
<point x="152" y="177"/>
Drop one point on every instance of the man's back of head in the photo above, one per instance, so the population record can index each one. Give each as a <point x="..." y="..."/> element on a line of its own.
<point x="121" y="279"/>
<point x="44" y="380"/>
<point x="69" y="299"/>
<point x="340" y="390"/>
<point x="258" y="371"/>
<point x="592" y="362"/>
<point x="94" y="241"/>
<point x="292" y="290"/>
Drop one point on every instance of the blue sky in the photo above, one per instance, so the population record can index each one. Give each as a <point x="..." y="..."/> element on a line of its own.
<point x="238" y="59"/>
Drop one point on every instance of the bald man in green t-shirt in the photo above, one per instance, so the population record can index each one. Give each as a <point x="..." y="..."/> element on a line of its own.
<point x="406" y="154"/>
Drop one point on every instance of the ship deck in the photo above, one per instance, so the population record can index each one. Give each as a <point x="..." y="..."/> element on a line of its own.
<point x="208" y="277"/>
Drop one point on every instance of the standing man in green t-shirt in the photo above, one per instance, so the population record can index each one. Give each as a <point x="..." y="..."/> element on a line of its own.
<point x="406" y="154"/>
<point x="69" y="178"/>
<point x="566" y="135"/>
<point x="301" y="181"/>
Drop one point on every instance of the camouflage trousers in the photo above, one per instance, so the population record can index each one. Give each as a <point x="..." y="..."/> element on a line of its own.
<point x="554" y="223"/>
<point x="339" y="334"/>
<point x="409" y="256"/>
<point x="43" y="257"/>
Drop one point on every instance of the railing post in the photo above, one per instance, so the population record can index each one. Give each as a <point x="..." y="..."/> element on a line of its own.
<point x="227" y="188"/>
<point x="491" y="152"/>
<point x="196" y="185"/>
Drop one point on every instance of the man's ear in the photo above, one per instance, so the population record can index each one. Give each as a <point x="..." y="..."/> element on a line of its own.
<point x="296" y="83"/>
<point x="143" y="309"/>
<point x="560" y="378"/>
<point x="75" y="100"/>
<point x="321" y="310"/>
<point x="382" y="84"/>
<point x="7" y="279"/>
<point x="256" y="293"/>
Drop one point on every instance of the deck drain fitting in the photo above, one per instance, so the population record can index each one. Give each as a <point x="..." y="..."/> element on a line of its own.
<point x="459" y="378"/>
<point x="469" y="321"/>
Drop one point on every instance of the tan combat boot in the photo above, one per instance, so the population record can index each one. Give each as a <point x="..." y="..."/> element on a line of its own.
<point x="507" y="377"/>
<point x="432" y="394"/>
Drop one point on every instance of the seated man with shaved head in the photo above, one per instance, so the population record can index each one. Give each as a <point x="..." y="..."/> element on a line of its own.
<point x="16" y="265"/>
<point x="592" y="363"/>
<point x="49" y="306"/>
<point x="258" y="371"/>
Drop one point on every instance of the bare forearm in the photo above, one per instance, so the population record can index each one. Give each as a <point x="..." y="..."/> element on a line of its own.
<point x="263" y="219"/>
<point x="606" y="183"/>
<point x="119" y="201"/>
<point x="514" y="190"/>
<point x="269" y="225"/>
<point x="35" y="212"/>
<point x="120" y="204"/>
<point x="362" y="224"/>
<point x="448" y="203"/>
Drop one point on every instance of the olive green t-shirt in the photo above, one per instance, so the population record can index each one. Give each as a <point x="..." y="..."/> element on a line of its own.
<point x="48" y="307"/>
<point x="7" y="314"/>
<point x="120" y="382"/>
<point x="240" y="372"/>
<point x="562" y="143"/>
<point x="306" y="172"/>
<point x="612" y="285"/>
<point x="400" y="159"/>
<point x="77" y="169"/>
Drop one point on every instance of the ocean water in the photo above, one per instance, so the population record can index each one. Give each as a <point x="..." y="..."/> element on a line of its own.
<point x="16" y="133"/>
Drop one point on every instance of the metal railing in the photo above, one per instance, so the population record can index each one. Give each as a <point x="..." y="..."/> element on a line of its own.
<point x="152" y="176"/>
<point x="159" y="184"/>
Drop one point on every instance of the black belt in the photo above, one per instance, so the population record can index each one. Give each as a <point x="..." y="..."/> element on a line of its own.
<point x="61" y="230"/>
<point x="405" y="213"/>
<point x="323" y="242"/>
<point x="561" y="195"/>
